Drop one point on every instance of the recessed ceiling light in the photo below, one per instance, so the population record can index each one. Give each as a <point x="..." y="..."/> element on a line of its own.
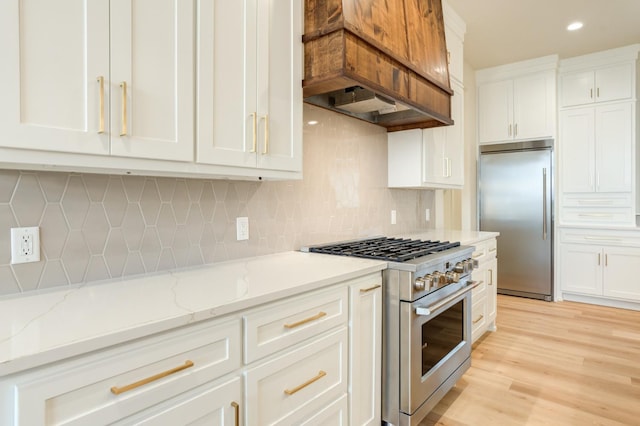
<point x="574" y="26"/>
<point x="312" y="122"/>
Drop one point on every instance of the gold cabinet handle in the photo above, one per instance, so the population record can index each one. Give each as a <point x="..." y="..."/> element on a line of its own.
<point x="606" y="260"/>
<point x="123" y="131"/>
<point x="598" y="92"/>
<point x="101" y="104"/>
<point x="598" y="259"/>
<point x="266" y="135"/>
<point x="476" y="256"/>
<point x="448" y="57"/>
<point x="320" y="375"/>
<point x="479" y="319"/>
<point x="118" y="390"/>
<point x="515" y="130"/>
<point x="255" y="131"/>
<point x="490" y="276"/>
<point x="367" y="290"/>
<point x="510" y="128"/>
<point x="236" y="409"/>
<point x="306" y="320"/>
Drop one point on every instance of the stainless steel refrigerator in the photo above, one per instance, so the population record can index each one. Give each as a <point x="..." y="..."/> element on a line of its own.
<point x="515" y="196"/>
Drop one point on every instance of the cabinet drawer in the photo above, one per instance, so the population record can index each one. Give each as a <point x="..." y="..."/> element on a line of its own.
<point x="597" y="200"/>
<point x="299" y="382"/>
<point x="281" y="325"/>
<point x="481" y="276"/>
<point x="597" y="216"/>
<point x="94" y="389"/>
<point x="485" y="250"/>
<point x="600" y="237"/>
<point x="478" y="315"/>
<point x="335" y="414"/>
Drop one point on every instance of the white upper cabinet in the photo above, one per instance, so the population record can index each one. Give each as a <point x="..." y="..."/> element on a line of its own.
<point x="519" y="108"/>
<point x="429" y="158"/>
<point x="152" y="52"/>
<point x="66" y="66"/>
<point x="454" y="31"/>
<point x="53" y="57"/>
<point x="597" y="149"/>
<point x="249" y="84"/>
<point x="610" y="83"/>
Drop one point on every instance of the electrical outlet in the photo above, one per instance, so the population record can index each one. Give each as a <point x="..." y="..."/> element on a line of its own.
<point x="242" y="228"/>
<point x="25" y="245"/>
<point x="427" y="215"/>
<point x="393" y="217"/>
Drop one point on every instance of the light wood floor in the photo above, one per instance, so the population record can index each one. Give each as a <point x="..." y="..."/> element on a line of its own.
<point x="559" y="363"/>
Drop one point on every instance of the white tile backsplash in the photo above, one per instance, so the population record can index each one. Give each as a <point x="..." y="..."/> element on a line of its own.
<point x="96" y="227"/>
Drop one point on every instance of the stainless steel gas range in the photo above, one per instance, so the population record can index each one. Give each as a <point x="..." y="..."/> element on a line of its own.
<point x="426" y="320"/>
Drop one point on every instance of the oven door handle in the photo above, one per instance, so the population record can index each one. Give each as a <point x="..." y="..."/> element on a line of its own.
<point x="427" y="310"/>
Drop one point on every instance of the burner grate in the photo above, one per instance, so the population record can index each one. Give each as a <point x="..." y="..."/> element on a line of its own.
<point x="391" y="249"/>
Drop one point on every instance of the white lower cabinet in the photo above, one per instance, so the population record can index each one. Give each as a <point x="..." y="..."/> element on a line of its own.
<point x="310" y="359"/>
<point x="601" y="264"/>
<point x="484" y="296"/>
<point x="365" y="342"/>
<point x="111" y="385"/>
<point x="298" y="383"/>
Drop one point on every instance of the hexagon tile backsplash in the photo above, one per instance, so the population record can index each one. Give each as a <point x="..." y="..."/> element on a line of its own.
<point x="97" y="227"/>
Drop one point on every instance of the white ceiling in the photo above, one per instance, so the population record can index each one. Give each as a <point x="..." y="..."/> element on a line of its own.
<point x="505" y="31"/>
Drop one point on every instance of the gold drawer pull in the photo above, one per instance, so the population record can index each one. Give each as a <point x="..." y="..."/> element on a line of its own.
<point x="123" y="130"/>
<point x="117" y="391"/>
<point x="479" y="319"/>
<point x="306" y="320"/>
<point x="320" y="375"/>
<point x="236" y="409"/>
<point x="493" y="250"/>
<point x="367" y="290"/>
<point x="101" y="106"/>
<point x="475" y="256"/>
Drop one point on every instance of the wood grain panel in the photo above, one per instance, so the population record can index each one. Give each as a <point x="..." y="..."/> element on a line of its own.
<point x="561" y="363"/>
<point x="381" y="23"/>
<point x="426" y="39"/>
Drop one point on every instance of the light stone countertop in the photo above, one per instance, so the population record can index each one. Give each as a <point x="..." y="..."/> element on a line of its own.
<point x="40" y="328"/>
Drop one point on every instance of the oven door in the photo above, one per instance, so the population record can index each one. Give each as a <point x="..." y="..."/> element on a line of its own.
<point x="435" y="341"/>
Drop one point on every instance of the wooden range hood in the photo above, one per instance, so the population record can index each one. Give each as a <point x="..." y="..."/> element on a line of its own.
<point x="383" y="61"/>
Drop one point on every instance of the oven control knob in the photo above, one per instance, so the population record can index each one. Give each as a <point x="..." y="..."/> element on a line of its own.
<point x="439" y="279"/>
<point x="419" y="285"/>
<point x="452" y="277"/>
<point x="460" y="268"/>
<point x="469" y="264"/>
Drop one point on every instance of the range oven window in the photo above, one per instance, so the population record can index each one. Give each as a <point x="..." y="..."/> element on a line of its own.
<point x="441" y="335"/>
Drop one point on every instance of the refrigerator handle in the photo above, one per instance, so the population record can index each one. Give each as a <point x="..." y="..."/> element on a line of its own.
<point x="544" y="203"/>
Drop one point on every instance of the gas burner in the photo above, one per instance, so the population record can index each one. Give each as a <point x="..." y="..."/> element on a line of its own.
<point x="383" y="248"/>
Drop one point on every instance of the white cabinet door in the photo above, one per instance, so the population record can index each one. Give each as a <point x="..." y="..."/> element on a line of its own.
<point x="492" y="291"/>
<point x="52" y="56"/>
<point x="210" y="405"/>
<point x="152" y="52"/>
<point x="576" y="88"/>
<point x="614" y="83"/>
<point x="365" y="340"/>
<point x="614" y="147"/>
<point x="227" y="120"/>
<point x="249" y="91"/>
<point x="495" y="111"/>
<point x="577" y="160"/>
<point x="279" y="33"/>
<point x="533" y="106"/>
<point x="453" y="149"/>
<point x="621" y="269"/>
<point x="435" y="164"/>
<point x="581" y="269"/>
<point x="455" y="51"/>
<point x="606" y="84"/>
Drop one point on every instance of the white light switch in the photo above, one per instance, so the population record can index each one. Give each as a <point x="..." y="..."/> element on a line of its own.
<point x="242" y="228"/>
<point x="393" y="217"/>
